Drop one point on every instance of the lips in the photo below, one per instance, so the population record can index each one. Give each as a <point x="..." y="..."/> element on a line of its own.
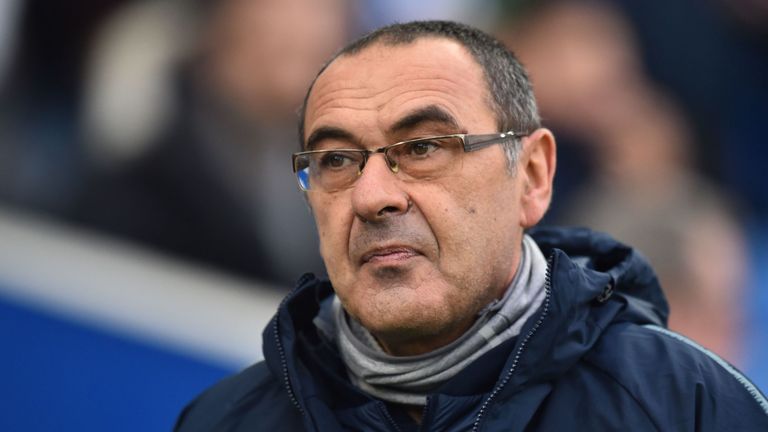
<point x="392" y="242"/>
<point x="389" y="254"/>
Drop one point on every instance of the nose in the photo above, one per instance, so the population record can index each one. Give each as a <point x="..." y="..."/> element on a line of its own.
<point x="377" y="193"/>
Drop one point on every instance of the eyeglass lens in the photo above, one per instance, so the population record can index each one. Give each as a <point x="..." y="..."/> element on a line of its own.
<point x="338" y="169"/>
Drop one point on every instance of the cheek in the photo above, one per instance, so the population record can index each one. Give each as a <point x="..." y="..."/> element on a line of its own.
<point x="455" y="217"/>
<point x="333" y="224"/>
<point x="477" y="224"/>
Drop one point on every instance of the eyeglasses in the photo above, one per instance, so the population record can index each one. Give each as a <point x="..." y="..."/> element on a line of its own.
<point x="416" y="159"/>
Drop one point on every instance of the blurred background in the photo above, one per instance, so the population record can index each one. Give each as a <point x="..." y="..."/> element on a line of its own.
<point x="150" y="222"/>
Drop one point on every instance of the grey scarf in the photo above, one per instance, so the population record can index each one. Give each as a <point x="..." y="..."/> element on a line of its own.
<point x="407" y="380"/>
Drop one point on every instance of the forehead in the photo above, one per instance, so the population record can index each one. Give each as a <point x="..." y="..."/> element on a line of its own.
<point x="376" y="87"/>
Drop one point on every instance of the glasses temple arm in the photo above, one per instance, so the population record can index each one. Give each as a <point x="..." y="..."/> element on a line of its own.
<point x="476" y="142"/>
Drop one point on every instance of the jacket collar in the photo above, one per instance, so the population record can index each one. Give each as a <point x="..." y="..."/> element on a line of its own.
<point x="593" y="281"/>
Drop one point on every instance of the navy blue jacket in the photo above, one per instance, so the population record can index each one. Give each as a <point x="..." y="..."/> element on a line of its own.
<point x="595" y="357"/>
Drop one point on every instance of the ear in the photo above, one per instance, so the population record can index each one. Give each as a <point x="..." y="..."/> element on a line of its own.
<point x="537" y="169"/>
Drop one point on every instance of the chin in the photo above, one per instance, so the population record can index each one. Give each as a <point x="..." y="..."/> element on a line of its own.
<point x="406" y="313"/>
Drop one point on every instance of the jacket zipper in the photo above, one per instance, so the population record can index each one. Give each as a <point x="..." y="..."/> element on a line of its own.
<point x="523" y="346"/>
<point x="281" y="350"/>
<point x="388" y="416"/>
<point x="424" y="415"/>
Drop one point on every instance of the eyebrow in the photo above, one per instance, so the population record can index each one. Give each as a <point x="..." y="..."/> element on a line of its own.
<point x="327" y="132"/>
<point x="427" y="114"/>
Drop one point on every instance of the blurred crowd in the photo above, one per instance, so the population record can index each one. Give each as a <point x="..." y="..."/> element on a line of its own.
<point x="170" y="123"/>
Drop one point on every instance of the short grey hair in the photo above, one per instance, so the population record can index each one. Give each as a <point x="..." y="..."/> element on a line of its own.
<point x="511" y="93"/>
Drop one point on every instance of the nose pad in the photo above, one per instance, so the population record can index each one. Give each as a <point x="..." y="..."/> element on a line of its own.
<point x="393" y="166"/>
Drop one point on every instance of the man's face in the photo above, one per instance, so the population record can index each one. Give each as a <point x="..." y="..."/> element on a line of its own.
<point x="414" y="261"/>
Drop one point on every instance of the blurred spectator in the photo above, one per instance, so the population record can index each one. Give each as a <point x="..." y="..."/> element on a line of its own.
<point x="713" y="56"/>
<point x="192" y="136"/>
<point x="41" y="57"/>
<point x="643" y="189"/>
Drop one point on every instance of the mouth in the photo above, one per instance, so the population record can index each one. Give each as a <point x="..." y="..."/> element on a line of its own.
<point x="389" y="255"/>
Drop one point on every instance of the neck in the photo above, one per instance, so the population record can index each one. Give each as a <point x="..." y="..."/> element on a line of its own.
<point x="416" y="346"/>
<point x="414" y="412"/>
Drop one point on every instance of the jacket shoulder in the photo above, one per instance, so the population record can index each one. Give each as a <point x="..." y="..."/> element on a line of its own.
<point x="249" y="400"/>
<point x="679" y="384"/>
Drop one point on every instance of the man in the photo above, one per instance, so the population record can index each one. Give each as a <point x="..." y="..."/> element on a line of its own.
<point x="424" y="163"/>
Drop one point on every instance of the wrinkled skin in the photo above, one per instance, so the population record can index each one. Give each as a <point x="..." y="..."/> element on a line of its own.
<point x="415" y="261"/>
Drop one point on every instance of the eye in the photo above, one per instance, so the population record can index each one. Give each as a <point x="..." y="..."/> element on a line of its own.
<point x="335" y="160"/>
<point x="421" y="148"/>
